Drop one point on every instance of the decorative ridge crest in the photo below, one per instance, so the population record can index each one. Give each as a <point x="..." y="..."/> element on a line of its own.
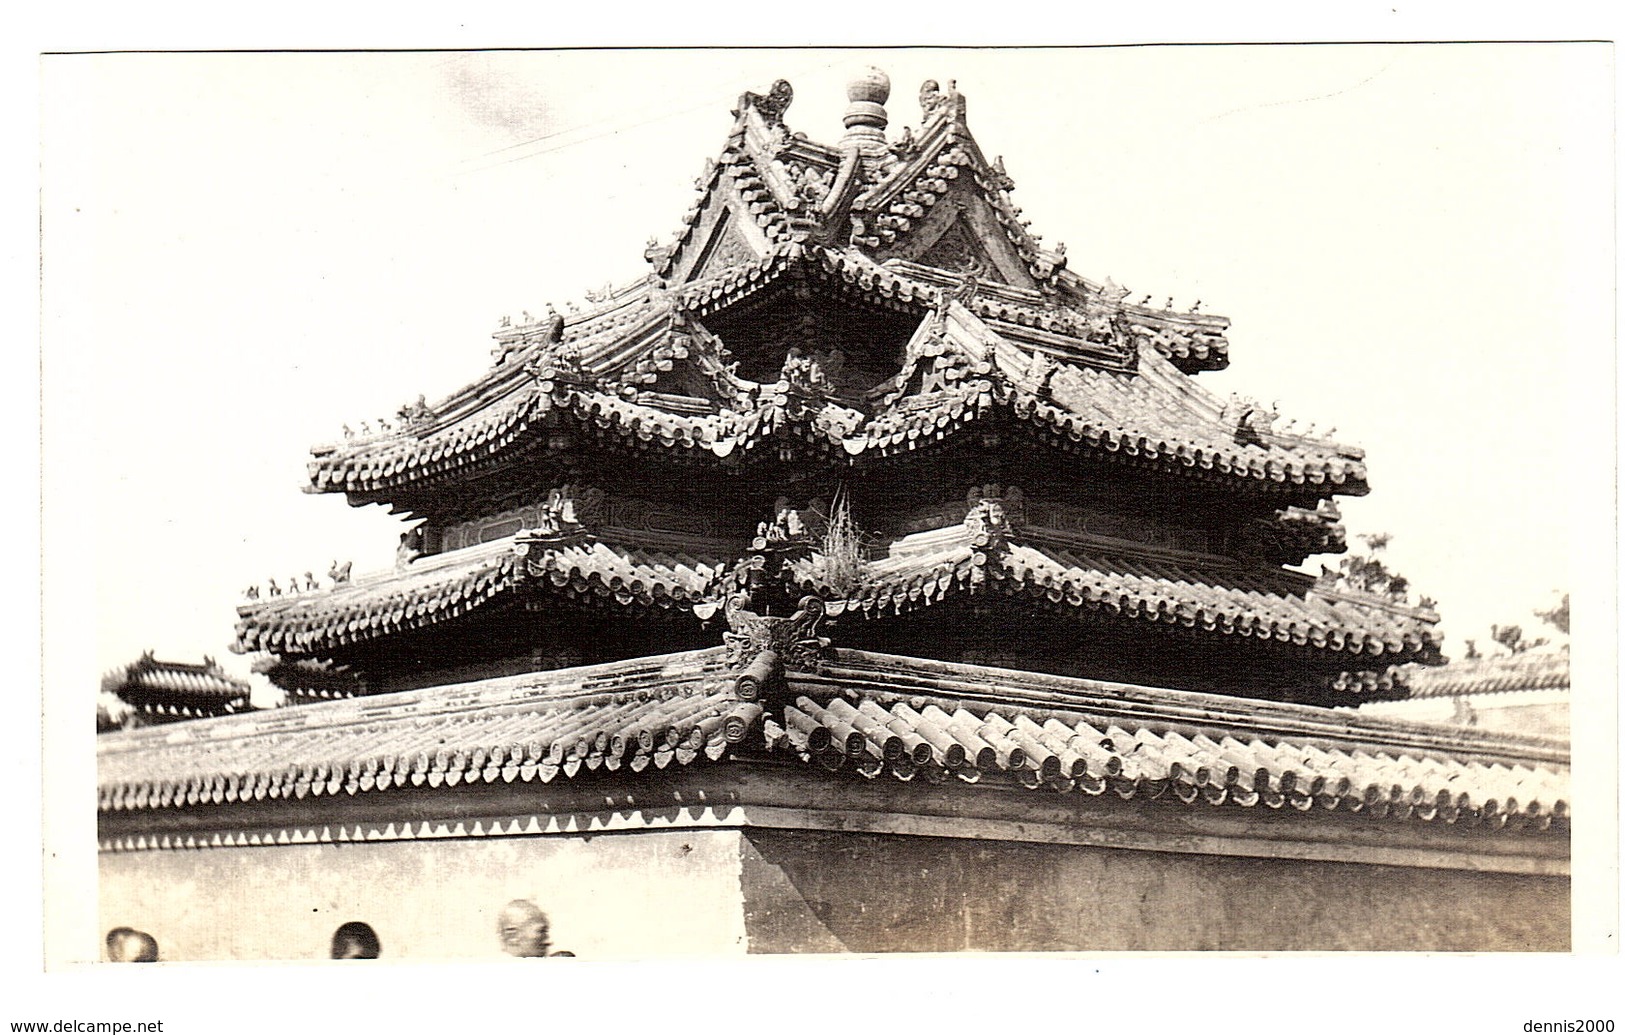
<point x="937" y="104"/>
<point x="993" y="514"/>
<point x="771" y="106"/>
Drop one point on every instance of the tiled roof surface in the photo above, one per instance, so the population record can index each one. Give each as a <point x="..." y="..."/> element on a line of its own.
<point x="651" y="712"/>
<point x="651" y="578"/>
<point x="864" y="713"/>
<point x="753" y="171"/>
<point x="1191" y="591"/>
<point x="1531" y="670"/>
<point x="763" y="165"/>
<point x="947" y="155"/>
<point x="434" y="590"/>
<point x="444" y="586"/>
<point x="1151" y="411"/>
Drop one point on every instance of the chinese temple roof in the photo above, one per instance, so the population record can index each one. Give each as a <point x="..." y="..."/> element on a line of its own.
<point x="855" y="715"/>
<point x="162" y="691"/>
<point x="921" y="230"/>
<point x="443" y="587"/>
<point x="1530" y="670"/>
<point x="1212" y="595"/>
<point x="853" y="307"/>
<point x="1142" y="409"/>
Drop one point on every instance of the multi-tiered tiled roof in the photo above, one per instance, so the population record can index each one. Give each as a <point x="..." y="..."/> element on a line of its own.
<point x="1143" y="411"/>
<point x="1005" y="328"/>
<point x="957" y="331"/>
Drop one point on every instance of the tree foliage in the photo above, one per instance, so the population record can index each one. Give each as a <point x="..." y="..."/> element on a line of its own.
<point x="1512" y="638"/>
<point x="1367" y="573"/>
<point x="1558" y="616"/>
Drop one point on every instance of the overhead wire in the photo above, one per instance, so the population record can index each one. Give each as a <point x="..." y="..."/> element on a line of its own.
<point x="709" y="100"/>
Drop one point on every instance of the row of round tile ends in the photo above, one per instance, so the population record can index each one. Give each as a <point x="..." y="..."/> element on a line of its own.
<point x="634" y="735"/>
<point x="934" y="744"/>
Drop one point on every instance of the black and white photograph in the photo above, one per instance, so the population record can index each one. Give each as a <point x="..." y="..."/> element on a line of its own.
<point x="1099" y="503"/>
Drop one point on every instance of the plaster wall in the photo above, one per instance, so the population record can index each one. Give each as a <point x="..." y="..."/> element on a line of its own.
<point x="646" y="894"/>
<point x="1541" y="720"/>
<point x="1539" y="713"/>
<point x="818" y="891"/>
<point x="715" y="892"/>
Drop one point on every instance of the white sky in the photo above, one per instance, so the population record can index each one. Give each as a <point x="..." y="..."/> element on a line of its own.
<point x="243" y="252"/>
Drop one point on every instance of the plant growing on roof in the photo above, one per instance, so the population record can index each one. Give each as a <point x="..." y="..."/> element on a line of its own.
<point x="842" y="548"/>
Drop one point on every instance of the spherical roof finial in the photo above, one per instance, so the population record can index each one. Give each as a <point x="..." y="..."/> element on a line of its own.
<point x="865" y="117"/>
<point x="871" y="84"/>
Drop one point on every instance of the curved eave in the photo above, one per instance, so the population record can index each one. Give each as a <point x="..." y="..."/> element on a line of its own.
<point x="1534" y="670"/>
<point x="608" y="318"/>
<point x="1123" y="421"/>
<point x="1180" y="592"/>
<point x="559" y="729"/>
<point x="1192" y="341"/>
<point x="829" y="433"/>
<point x="869" y="714"/>
<point x="444" y="587"/>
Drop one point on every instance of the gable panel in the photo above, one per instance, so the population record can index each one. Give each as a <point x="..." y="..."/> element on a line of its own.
<point x="961" y="228"/>
<point x="725" y="247"/>
<point x="957" y="250"/>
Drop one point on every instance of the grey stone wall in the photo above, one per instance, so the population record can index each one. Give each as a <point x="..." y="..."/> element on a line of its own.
<point x="817" y="891"/>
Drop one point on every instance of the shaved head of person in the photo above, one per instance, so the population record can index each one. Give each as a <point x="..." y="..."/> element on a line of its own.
<point x="127" y="945"/>
<point x="355" y="941"/>
<point x="522" y="928"/>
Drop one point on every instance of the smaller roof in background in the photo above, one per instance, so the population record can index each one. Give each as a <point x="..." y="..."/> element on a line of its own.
<point x="1530" y="670"/>
<point x="165" y="691"/>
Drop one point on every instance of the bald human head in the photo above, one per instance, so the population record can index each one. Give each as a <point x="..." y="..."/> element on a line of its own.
<point x="127" y="945"/>
<point x="522" y="928"/>
<point x="355" y="941"/>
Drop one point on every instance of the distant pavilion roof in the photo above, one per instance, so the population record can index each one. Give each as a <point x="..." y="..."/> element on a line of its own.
<point x="162" y="691"/>
<point x="1530" y="670"/>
